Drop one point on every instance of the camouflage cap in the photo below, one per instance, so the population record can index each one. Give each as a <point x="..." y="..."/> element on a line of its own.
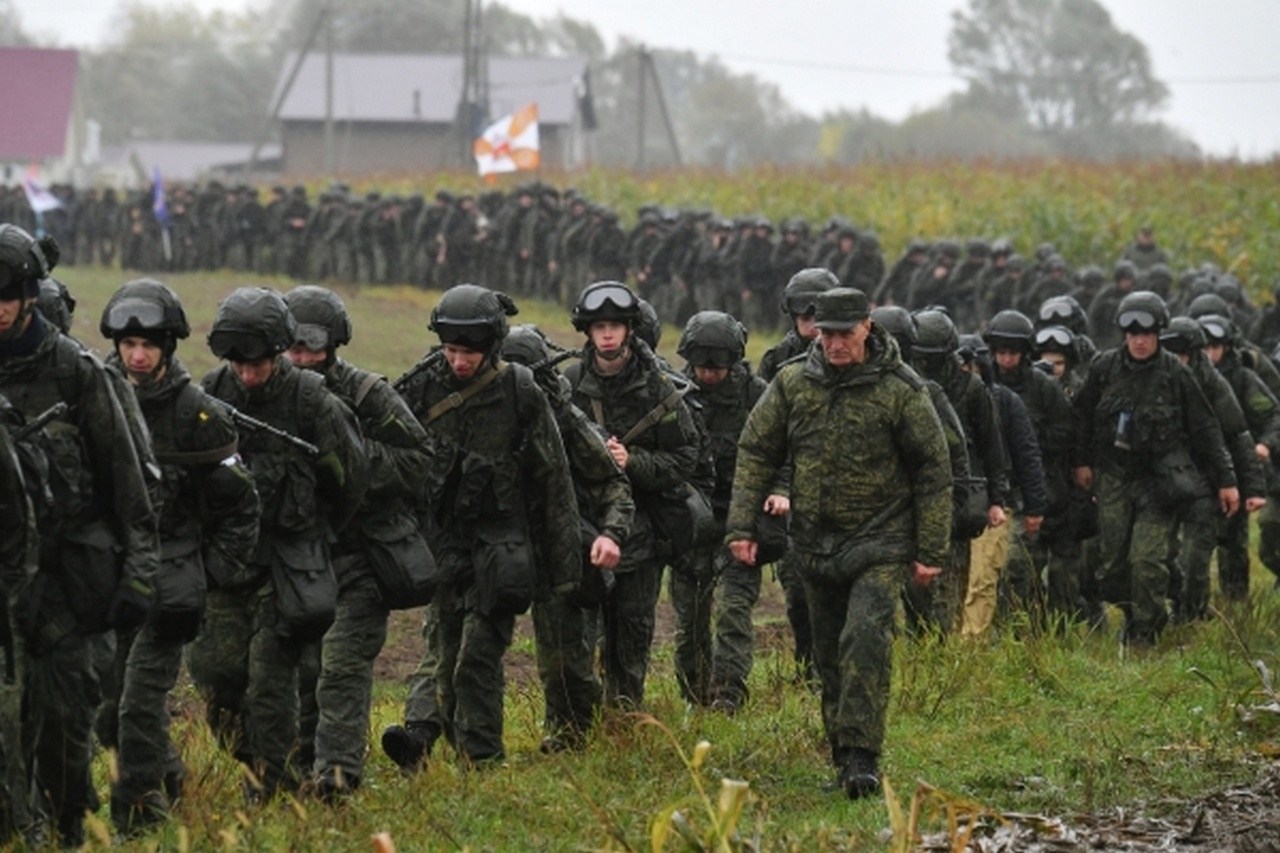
<point x="841" y="308"/>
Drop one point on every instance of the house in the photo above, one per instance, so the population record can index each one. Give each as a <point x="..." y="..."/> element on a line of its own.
<point x="394" y="113"/>
<point x="42" y="123"/>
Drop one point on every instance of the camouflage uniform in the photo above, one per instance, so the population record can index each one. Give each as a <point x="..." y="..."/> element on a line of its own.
<point x="861" y="513"/>
<point x="208" y="524"/>
<point x="1155" y="408"/>
<point x="98" y="547"/>
<point x="246" y="659"/>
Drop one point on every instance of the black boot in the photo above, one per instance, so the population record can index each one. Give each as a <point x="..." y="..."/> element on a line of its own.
<point x="860" y="776"/>
<point x="408" y="746"/>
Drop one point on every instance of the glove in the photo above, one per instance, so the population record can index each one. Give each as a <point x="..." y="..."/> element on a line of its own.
<point x="129" y="606"/>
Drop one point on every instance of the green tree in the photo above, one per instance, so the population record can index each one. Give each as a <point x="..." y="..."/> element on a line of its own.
<point x="1062" y="64"/>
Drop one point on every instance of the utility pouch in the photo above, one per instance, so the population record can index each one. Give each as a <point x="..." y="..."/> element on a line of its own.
<point x="180" y="589"/>
<point x="1178" y="480"/>
<point x="504" y="573"/>
<point x="90" y="565"/>
<point x="305" y="586"/>
<point x="403" y="565"/>
<point x="682" y="517"/>
<point x="969" y="507"/>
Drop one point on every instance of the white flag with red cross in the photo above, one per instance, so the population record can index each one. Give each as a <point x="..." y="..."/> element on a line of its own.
<point x="510" y="144"/>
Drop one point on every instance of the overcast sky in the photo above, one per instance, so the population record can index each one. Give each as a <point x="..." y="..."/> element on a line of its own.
<point x="1218" y="57"/>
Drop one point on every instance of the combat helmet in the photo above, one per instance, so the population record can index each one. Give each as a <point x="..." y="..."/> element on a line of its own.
<point x="252" y="323"/>
<point x="472" y="316"/>
<point x="1183" y="335"/>
<point x="713" y="339"/>
<point x="525" y="344"/>
<point x="605" y="300"/>
<point x="1063" y="310"/>
<point x="24" y="262"/>
<point x="649" y="327"/>
<point x="1208" y="303"/>
<point x="935" y="333"/>
<point x="799" y="297"/>
<point x="56" y="304"/>
<point x="1218" y="329"/>
<point x="148" y="309"/>
<point x="897" y="321"/>
<point x="1010" y="329"/>
<point x="1142" y="310"/>
<point x="321" y="315"/>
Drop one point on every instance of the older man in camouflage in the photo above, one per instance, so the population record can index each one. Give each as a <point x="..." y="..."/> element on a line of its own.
<point x="870" y="504"/>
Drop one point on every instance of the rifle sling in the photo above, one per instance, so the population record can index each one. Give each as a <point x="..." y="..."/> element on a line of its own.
<point x="457" y="398"/>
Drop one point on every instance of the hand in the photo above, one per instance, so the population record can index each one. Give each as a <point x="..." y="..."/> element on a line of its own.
<point x="744" y="551"/>
<point x="1263" y="451"/>
<point x="923" y="575"/>
<point x="777" y="505"/>
<point x="618" y="451"/>
<point x="605" y="553"/>
<point x="1031" y="524"/>
<point x="1229" y="500"/>
<point x="1254" y="504"/>
<point x="1084" y="477"/>
<point x="995" y="515"/>
<point x="129" y="606"/>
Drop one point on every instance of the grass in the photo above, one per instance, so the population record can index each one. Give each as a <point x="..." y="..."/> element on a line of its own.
<point x="1042" y="724"/>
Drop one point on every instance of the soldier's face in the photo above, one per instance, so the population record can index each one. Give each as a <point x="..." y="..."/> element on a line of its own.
<point x="608" y="335"/>
<point x="1057" y="359"/>
<point x="11" y="313"/>
<point x="303" y="356"/>
<point x="1214" y="352"/>
<point x="843" y="347"/>
<point x="465" y="362"/>
<point x="254" y="374"/>
<point x="1008" y="360"/>
<point x="1141" y="345"/>
<point x="709" y="376"/>
<point x="141" y="358"/>
<point x="805" y="327"/>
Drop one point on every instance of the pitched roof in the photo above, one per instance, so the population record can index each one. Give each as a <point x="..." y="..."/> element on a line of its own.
<point x="187" y="161"/>
<point x="427" y="87"/>
<point x="35" y="100"/>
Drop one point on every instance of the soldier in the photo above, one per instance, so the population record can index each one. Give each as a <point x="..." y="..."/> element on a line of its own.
<point x="98" y="548"/>
<point x="566" y="655"/>
<point x="337" y="681"/>
<point x="500" y="517"/>
<point x="1143" y="252"/>
<point x="654" y="438"/>
<point x="724" y="391"/>
<point x="1147" y="440"/>
<point x="890" y="521"/>
<point x="245" y="661"/>
<point x="208" y="527"/>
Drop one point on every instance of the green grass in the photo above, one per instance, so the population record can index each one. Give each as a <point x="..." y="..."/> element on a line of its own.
<point x="1054" y="725"/>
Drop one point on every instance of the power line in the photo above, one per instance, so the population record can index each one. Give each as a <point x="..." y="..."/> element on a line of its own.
<point x="951" y="75"/>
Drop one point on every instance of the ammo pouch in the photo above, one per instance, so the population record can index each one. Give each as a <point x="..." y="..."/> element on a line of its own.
<point x="180" y="588"/>
<point x="504" y="571"/>
<point x="306" y="588"/>
<point x="969" y="507"/>
<point x="682" y="518"/>
<point x="771" y="538"/>
<point x="1177" y="480"/>
<point x="90" y="567"/>
<point x="402" y="564"/>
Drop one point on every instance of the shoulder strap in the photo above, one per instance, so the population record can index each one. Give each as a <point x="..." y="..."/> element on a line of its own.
<point x="365" y="387"/>
<point x="457" y="398"/>
<point x="655" y="414"/>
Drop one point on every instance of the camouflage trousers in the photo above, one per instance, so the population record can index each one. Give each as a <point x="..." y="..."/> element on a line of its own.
<point x="852" y="609"/>
<point x="248" y="676"/>
<point x="566" y="667"/>
<point x="628" y="619"/>
<point x="1194" y="543"/>
<point x="737" y="591"/>
<point x="148" y="761"/>
<point x="797" y="611"/>
<point x="422" y="707"/>
<point x="936" y="607"/>
<point x="1269" y="536"/>
<point x="1040" y="577"/>
<point x="692" y="585"/>
<point x="1136" y="542"/>
<point x="1233" y="555"/>
<point x="335" y="681"/>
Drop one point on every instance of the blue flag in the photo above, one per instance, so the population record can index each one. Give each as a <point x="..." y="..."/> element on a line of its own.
<point x="158" y="205"/>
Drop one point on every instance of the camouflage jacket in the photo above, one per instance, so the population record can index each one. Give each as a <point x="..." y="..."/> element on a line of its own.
<point x="498" y="468"/>
<point x="783" y="351"/>
<point x="871" y="469"/>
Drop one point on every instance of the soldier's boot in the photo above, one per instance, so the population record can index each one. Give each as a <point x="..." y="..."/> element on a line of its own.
<point x="133" y="817"/>
<point x="333" y="785"/>
<point x="409" y="745"/>
<point x="860" y="776"/>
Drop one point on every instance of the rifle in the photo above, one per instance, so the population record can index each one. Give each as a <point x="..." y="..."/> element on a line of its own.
<point x="251" y="423"/>
<point x="40" y="421"/>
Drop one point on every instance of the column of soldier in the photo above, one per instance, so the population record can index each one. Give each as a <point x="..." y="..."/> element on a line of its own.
<point x="1086" y="448"/>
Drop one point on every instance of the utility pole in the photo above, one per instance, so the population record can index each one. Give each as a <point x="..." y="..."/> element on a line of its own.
<point x="284" y="92"/>
<point x="648" y="71"/>
<point x="329" y="152"/>
<point x="662" y="108"/>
